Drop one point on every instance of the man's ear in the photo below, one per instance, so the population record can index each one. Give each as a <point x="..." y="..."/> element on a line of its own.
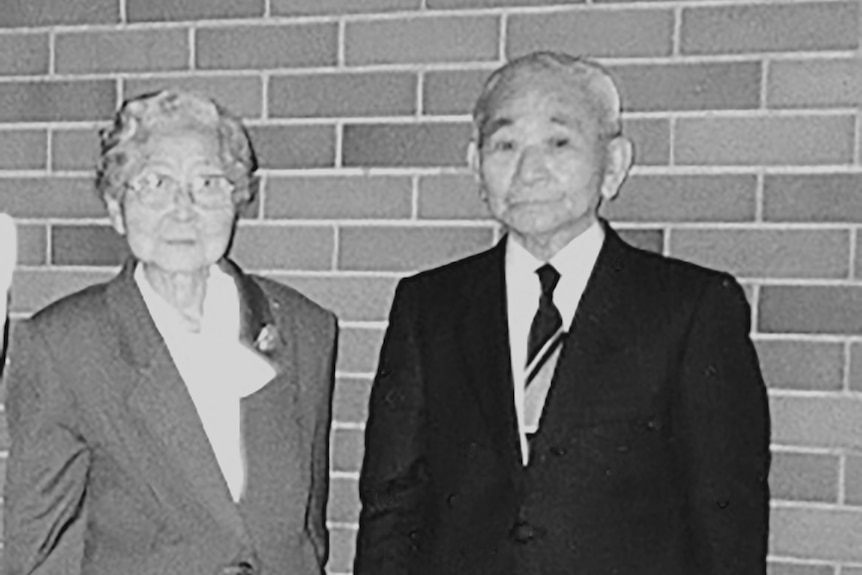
<point x="618" y="161"/>
<point x="115" y="214"/>
<point x="474" y="160"/>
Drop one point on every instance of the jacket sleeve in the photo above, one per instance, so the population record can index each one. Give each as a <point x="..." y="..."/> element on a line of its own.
<point x="316" y="520"/>
<point x="392" y="484"/>
<point x="47" y="468"/>
<point x="721" y="423"/>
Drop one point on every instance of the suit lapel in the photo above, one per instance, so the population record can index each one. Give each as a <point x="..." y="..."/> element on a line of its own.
<point x="604" y="315"/>
<point x="160" y="399"/>
<point x="485" y="346"/>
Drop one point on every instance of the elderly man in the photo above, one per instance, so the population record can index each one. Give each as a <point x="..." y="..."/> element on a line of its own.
<point x="563" y="403"/>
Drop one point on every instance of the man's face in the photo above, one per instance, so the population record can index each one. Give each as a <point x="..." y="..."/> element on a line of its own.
<point x="543" y="162"/>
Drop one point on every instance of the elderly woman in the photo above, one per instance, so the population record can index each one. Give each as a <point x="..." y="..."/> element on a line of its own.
<point x="175" y="419"/>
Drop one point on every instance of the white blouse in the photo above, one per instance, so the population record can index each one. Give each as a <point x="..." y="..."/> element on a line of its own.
<point x="217" y="368"/>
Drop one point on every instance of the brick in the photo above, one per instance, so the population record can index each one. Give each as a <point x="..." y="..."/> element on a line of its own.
<point x="292" y="147"/>
<point x="284" y="248"/>
<point x="812" y="198"/>
<point x="466" y="4"/>
<point x="50" y="198"/>
<point x="816" y="533"/>
<point x="821" y="309"/>
<point x="715" y="86"/>
<point x="623" y="33"/>
<point x="350" y="404"/>
<point x="804" y="477"/>
<point x="75" y="149"/>
<point x="451" y="197"/>
<point x="775" y="28"/>
<point x="351" y="297"/>
<point x="4" y="434"/>
<point x="87" y="246"/>
<point x="56" y="101"/>
<point x="855" y="377"/>
<point x="34" y="289"/>
<point x="358" y="349"/>
<point x="338" y="197"/>
<point x="857" y="265"/>
<point x="402" y="145"/>
<point x="23" y="149"/>
<point x="814" y="83"/>
<point x="649" y="240"/>
<point x="262" y="47"/>
<point x="24" y="53"/>
<point x="778" y="568"/>
<point x="422" y="40"/>
<point x="32" y="13"/>
<point x="684" y="198"/>
<point x="801" y="365"/>
<point x="450" y="92"/>
<point x="408" y="248"/>
<point x="242" y="95"/>
<point x="828" y="422"/>
<point x="121" y="51"/>
<point x="800" y="140"/>
<point x="340" y="7"/>
<point x="328" y="95"/>
<point x="343" y="506"/>
<point x="767" y="253"/>
<point x="853" y="480"/>
<point x="342" y="548"/>
<point x="651" y="139"/>
<point x="348" y="447"/>
<point x="171" y="10"/>
<point x="32" y="244"/>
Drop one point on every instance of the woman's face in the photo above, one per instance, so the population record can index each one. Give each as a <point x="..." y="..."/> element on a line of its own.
<point x="177" y="212"/>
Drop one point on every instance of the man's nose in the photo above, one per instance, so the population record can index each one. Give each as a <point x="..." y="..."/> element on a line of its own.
<point x="532" y="165"/>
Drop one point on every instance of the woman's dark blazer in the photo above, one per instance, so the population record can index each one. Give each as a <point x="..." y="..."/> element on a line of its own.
<point x="110" y="470"/>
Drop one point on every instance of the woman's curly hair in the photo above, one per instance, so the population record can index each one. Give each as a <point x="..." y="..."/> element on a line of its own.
<point x="173" y="110"/>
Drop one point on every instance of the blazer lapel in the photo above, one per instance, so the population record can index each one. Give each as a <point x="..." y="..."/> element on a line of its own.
<point x="485" y="347"/>
<point x="160" y="398"/>
<point x="272" y="427"/>
<point x="603" y="317"/>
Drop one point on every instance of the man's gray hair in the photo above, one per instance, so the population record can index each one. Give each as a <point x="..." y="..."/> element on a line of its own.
<point x="592" y="77"/>
<point x="141" y="117"/>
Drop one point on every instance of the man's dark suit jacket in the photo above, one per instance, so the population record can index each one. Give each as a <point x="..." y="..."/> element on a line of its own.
<point x="653" y="448"/>
<point x="111" y="471"/>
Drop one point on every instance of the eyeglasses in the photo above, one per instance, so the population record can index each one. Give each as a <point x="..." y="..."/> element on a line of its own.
<point x="209" y="191"/>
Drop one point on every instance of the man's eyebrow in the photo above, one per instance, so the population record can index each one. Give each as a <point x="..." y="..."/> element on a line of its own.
<point x="493" y="125"/>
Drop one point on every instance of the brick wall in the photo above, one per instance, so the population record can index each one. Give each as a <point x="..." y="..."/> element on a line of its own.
<point x="746" y="117"/>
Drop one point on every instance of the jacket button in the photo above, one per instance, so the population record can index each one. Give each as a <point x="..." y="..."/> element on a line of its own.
<point x="523" y="532"/>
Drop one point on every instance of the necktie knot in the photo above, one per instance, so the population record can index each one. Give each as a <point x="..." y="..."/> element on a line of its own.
<point x="548" y="278"/>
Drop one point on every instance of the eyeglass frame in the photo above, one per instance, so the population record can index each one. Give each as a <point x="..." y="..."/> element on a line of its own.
<point x="145" y="192"/>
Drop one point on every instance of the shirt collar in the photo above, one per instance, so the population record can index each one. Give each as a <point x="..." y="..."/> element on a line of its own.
<point x="577" y="256"/>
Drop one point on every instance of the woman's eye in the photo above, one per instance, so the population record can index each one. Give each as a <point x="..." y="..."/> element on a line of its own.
<point x="560" y="142"/>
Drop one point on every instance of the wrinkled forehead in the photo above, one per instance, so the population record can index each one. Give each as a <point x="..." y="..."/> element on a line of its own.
<point x="558" y="95"/>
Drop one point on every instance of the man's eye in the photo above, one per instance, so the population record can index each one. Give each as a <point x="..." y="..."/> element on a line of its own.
<point x="560" y="142"/>
<point x="502" y="146"/>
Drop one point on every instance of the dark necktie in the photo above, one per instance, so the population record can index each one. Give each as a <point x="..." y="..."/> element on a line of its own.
<point x="547" y="320"/>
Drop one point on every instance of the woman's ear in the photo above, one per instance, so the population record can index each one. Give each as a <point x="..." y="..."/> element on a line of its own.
<point x="116" y="215"/>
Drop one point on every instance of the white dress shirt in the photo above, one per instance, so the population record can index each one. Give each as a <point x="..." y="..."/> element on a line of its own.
<point x="217" y="368"/>
<point x="575" y="263"/>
